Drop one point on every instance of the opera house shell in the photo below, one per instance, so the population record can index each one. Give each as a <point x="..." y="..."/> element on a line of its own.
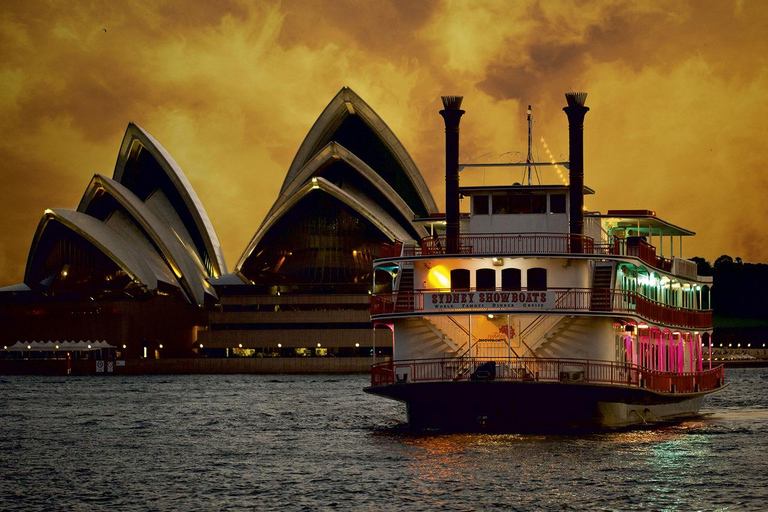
<point x="139" y="267"/>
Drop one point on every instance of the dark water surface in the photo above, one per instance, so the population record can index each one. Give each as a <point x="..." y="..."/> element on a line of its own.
<point x="318" y="442"/>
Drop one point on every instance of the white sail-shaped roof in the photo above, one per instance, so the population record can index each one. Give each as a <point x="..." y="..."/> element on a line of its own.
<point x="335" y="152"/>
<point x="142" y="270"/>
<point x="182" y="261"/>
<point x="326" y="129"/>
<point x="191" y="215"/>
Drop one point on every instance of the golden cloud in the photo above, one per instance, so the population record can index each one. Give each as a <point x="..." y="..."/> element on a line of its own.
<point x="676" y="89"/>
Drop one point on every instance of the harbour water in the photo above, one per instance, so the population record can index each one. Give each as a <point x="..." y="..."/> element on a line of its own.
<point x="226" y="442"/>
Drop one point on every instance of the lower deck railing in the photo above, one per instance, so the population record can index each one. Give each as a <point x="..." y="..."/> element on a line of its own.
<point x="544" y="370"/>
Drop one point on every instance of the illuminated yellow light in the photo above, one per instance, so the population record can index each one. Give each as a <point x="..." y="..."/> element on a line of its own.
<point x="240" y="345"/>
<point x="57" y="347"/>
<point x="490" y="315"/>
<point x="161" y="346"/>
<point x="354" y="253"/>
<point x="125" y="346"/>
<point x="29" y="347"/>
<point x="319" y="345"/>
<point x="279" y="345"/>
<point x="315" y="184"/>
<point x="357" y="344"/>
<point x="438" y="277"/>
<point x="90" y="346"/>
<point x="201" y="345"/>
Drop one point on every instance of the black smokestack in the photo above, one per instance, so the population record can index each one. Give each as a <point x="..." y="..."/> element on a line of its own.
<point x="452" y="116"/>
<point x="576" y="112"/>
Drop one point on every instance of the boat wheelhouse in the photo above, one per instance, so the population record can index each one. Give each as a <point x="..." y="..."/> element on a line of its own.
<point x="532" y="313"/>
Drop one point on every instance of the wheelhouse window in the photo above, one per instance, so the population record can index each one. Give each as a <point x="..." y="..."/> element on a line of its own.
<point x="480" y="205"/>
<point x="460" y="279"/>
<point x="511" y="279"/>
<point x="557" y="203"/>
<point x="520" y="203"/>
<point x="500" y="205"/>
<point x="538" y="203"/>
<point x="485" y="279"/>
<point x="537" y="279"/>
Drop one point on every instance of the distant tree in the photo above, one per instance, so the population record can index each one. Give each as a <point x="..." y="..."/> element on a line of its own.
<point x="739" y="261"/>
<point x="722" y="260"/>
<point x="703" y="267"/>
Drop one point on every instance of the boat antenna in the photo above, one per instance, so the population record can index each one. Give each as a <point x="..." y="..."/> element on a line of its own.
<point x="529" y="158"/>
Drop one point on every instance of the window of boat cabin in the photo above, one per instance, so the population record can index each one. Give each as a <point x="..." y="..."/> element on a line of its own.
<point x="500" y="204"/>
<point x="460" y="279"/>
<point x="527" y="203"/>
<point x="557" y="203"/>
<point x="480" y="205"/>
<point x="485" y="279"/>
<point x="511" y="279"/>
<point x="537" y="279"/>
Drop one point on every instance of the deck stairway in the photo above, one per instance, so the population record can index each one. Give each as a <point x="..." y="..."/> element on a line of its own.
<point x="405" y="289"/>
<point x="451" y="332"/>
<point x="549" y="338"/>
<point x="601" y="286"/>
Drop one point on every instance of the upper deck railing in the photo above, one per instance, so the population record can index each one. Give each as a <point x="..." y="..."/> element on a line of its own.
<point x="531" y="243"/>
<point x="572" y="371"/>
<point x="565" y="300"/>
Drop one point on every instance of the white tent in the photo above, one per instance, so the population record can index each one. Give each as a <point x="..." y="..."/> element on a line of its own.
<point x="51" y="346"/>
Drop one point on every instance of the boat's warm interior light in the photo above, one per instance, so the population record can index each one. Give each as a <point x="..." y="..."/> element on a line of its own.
<point x="490" y="315"/>
<point x="438" y="277"/>
<point x="642" y="326"/>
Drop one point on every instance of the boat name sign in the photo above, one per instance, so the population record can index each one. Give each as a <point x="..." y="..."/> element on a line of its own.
<point x="490" y="300"/>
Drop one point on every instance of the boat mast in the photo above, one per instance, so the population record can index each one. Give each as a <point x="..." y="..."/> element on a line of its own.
<point x="529" y="158"/>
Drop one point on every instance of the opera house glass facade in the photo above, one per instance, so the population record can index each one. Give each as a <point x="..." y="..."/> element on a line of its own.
<point x="138" y="268"/>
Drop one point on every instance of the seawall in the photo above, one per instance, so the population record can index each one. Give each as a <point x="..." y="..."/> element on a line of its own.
<point x="277" y="365"/>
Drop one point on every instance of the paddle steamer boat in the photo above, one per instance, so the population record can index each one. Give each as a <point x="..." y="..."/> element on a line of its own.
<point x="531" y="313"/>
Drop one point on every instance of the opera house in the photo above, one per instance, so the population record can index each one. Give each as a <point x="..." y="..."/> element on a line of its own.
<point x="137" y="269"/>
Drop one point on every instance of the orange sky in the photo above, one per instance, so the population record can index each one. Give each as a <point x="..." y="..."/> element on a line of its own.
<point x="677" y="91"/>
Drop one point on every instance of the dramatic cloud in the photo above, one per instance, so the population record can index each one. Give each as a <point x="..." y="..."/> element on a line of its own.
<point x="676" y="90"/>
